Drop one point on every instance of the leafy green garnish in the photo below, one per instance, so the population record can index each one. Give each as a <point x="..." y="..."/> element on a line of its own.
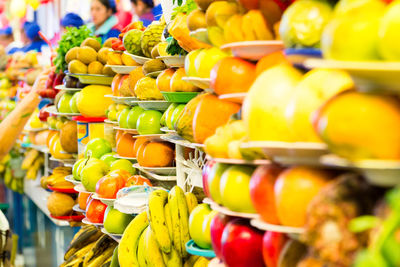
<point x="71" y="38"/>
<point x="174" y="48"/>
<point x="188" y="7"/>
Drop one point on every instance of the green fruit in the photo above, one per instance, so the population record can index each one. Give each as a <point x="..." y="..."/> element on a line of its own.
<point x="72" y="103"/>
<point x="133" y="116"/>
<point x="97" y="147"/>
<point x="108" y="158"/>
<point x="63" y="105"/>
<point x="115" y="221"/>
<point x="151" y="37"/>
<point x="168" y="114"/>
<point x="123" y="164"/>
<point x="175" y="115"/>
<point x="149" y="122"/>
<point x="92" y="172"/>
<point x="77" y="169"/>
<point x="122" y="118"/>
<point x="132" y="42"/>
<point x="114" y="259"/>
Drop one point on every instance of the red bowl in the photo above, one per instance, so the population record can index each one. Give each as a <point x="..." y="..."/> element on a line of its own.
<point x="70" y="218"/>
<point x="62" y="190"/>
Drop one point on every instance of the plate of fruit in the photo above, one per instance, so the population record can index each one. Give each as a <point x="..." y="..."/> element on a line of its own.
<point x="254" y="50"/>
<point x="122" y="69"/>
<point x="93" y="78"/>
<point x="203" y="83"/>
<point x="139" y="59"/>
<point x="173" y="61"/>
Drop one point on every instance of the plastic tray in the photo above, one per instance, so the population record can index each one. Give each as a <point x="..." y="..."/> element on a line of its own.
<point x="179" y="97"/>
<point x="254" y="50"/>
<point x="140" y="60"/>
<point x="86" y="221"/>
<point x="229" y="212"/>
<point x="127" y="100"/>
<point x="160" y="105"/>
<point x="122" y="69"/>
<point x="159" y="177"/>
<point x="174" y="61"/>
<point x="170" y="171"/>
<point x="93" y="78"/>
<point x="107" y="201"/>
<point x="70" y="178"/>
<point x="81" y="189"/>
<point x="203" y="83"/>
<point x="63" y="88"/>
<point x="258" y="223"/>
<point x="53" y="110"/>
<point x="193" y="249"/>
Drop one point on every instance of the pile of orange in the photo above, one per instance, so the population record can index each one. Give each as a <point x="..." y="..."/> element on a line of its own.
<point x="155" y="154"/>
<point x="125" y="143"/>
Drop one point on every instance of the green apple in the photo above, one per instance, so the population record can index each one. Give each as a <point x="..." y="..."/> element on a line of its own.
<point x="190" y="58"/>
<point x="76" y="170"/>
<point x="122" y="118"/>
<point x="206" y="60"/>
<point x="196" y="219"/>
<point x="389" y="33"/>
<point x="108" y="158"/>
<point x="175" y="115"/>
<point x="214" y="178"/>
<point x="168" y="114"/>
<point x="235" y="189"/>
<point x="123" y="164"/>
<point x="97" y="147"/>
<point x="115" y="221"/>
<point x="93" y="171"/>
<point x="133" y="116"/>
<point x="72" y="103"/>
<point x="207" y="226"/>
<point x="63" y="104"/>
<point x="149" y="122"/>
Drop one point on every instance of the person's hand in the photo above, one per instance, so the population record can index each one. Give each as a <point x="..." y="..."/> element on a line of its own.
<point x="40" y="82"/>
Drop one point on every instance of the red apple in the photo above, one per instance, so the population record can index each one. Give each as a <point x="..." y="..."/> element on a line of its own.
<point x="206" y="171"/>
<point x="43" y="115"/>
<point x="273" y="244"/>
<point x="217" y="226"/>
<point x="262" y="192"/>
<point x="242" y="245"/>
<point x="95" y="211"/>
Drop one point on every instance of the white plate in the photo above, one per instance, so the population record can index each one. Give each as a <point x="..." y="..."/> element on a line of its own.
<point x="260" y="224"/>
<point x="215" y="262"/>
<point x="107" y="201"/>
<point x="241" y="161"/>
<point x="131" y="131"/>
<point x="203" y="83"/>
<point x="368" y="75"/>
<point x="153" y="137"/>
<point x="167" y="130"/>
<point x="378" y="172"/>
<point x="122" y="69"/>
<point x="81" y="189"/>
<point x="111" y="122"/>
<point x="127" y="100"/>
<point x="170" y="171"/>
<point x="53" y="110"/>
<point x="289" y="150"/>
<point x="116" y="237"/>
<point x="121" y="157"/>
<point x="174" y="61"/>
<point x="70" y="178"/>
<point x="160" y="105"/>
<point x="29" y="129"/>
<point x="78" y="209"/>
<point x="254" y="50"/>
<point x="140" y="60"/>
<point x="64" y="161"/>
<point x="158" y="177"/>
<point x="228" y="212"/>
<point x="237" y="97"/>
<point x="201" y="35"/>
<point x="63" y="88"/>
<point x="176" y="139"/>
<point x="93" y="78"/>
<point x="154" y="74"/>
<point x="86" y="221"/>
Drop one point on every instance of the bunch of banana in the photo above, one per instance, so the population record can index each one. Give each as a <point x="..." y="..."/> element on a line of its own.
<point x="29" y="157"/>
<point x="158" y="237"/>
<point x="32" y="162"/>
<point x="34" y="168"/>
<point x="57" y="179"/>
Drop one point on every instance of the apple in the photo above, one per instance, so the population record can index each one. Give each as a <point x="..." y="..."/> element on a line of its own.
<point x="123" y="164"/>
<point x="206" y="60"/>
<point x="93" y="171"/>
<point x="235" y="189"/>
<point x="122" y="118"/>
<point x="175" y="115"/>
<point x="388" y="33"/>
<point x="115" y="221"/>
<point x="207" y="227"/>
<point x="262" y="192"/>
<point x="77" y="168"/>
<point x="190" y="58"/>
<point x="109" y="185"/>
<point x="43" y="115"/>
<point x="206" y="171"/>
<point x="273" y="244"/>
<point x="95" y="210"/>
<point x="242" y="245"/>
<point x="217" y="226"/>
<point x="63" y="105"/>
<point x="108" y="158"/>
<point x="214" y="180"/>
<point x="97" y="147"/>
<point x="72" y="103"/>
<point x="133" y="116"/>
<point x="196" y="219"/>
<point x="149" y="122"/>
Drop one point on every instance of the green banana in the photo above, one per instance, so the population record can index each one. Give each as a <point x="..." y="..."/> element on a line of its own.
<point x="128" y="245"/>
<point x="168" y="220"/>
<point x="157" y="219"/>
<point x="191" y="201"/>
<point x="176" y="231"/>
<point x="153" y="253"/>
<point x="141" y="251"/>
<point x="183" y="219"/>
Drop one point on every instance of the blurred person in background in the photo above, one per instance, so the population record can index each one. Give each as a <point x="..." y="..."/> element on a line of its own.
<point x="146" y="11"/>
<point x="32" y="38"/>
<point x="104" y="22"/>
<point x="71" y="20"/>
<point x="7" y="40"/>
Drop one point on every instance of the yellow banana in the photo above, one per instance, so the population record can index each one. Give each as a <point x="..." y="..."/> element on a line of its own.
<point x="30" y="157"/>
<point x="127" y="256"/>
<point x="183" y="219"/>
<point x="168" y="220"/>
<point x="259" y="25"/>
<point x="232" y="29"/>
<point x="153" y="253"/>
<point x="141" y="251"/>
<point x="201" y="262"/>
<point x="176" y="231"/>
<point x="158" y="223"/>
<point x="191" y="261"/>
<point x="172" y="259"/>
<point x="191" y="201"/>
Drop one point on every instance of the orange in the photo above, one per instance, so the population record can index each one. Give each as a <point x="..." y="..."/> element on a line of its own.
<point x="164" y="80"/>
<point x="269" y="61"/>
<point x="232" y="75"/>
<point x="118" y="135"/>
<point x="140" y="150"/>
<point x="82" y="199"/>
<point x="49" y="137"/>
<point x="156" y="154"/>
<point x="138" y="143"/>
<point x="125" y="145"/>
<point x="294" y="190"/>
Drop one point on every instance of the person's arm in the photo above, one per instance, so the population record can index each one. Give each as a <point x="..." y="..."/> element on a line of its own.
<point x="12" y="126"/>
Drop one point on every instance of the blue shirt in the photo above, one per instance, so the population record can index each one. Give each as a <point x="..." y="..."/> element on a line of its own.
<point x="107" y="30"/>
